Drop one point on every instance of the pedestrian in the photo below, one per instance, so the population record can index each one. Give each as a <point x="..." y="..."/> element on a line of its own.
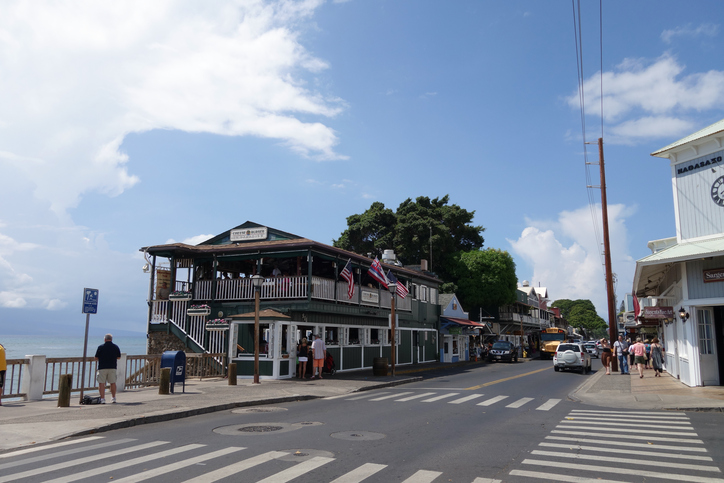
<point x="648" y="354"/>
<point x="3" y="369"/>
<point x="107" y="356"/>
<point x="303" y="358"/>
<point x="621" y="349"/>
<point x="657" y="357"/>
<point x="606" y="355"/>
<point x="319" y="351"/>
<point x="639" y="352"/>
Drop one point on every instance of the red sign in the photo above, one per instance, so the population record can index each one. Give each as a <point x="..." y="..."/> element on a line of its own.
<point x="658" y="312"/>
<point x="714" y="275"/>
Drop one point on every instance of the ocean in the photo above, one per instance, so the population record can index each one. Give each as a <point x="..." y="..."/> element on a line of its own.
<point x="18" y="346"/>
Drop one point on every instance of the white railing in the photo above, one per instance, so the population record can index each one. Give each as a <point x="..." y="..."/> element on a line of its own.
<point x="159" y="311"/>
<point x="657" y="301"/>
<point x="197" y="327"/>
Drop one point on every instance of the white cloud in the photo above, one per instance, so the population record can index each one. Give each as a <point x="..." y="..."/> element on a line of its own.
<point x="565" y="259"/>
<point x="707" y="29"/>
<point x="647" y="100"/>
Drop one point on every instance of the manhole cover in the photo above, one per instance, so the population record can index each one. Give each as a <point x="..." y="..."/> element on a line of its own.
<point x="358" y="435"/>
<point x="260" y="429"/>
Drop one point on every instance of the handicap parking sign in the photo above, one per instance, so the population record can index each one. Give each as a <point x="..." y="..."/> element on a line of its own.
<point x="90" y="301"/>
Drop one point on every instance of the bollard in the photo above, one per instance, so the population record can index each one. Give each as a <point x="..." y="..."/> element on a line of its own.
<point x="232" y="374"/>
<point x="164" y="381"/>
<point x="65" y="383"/>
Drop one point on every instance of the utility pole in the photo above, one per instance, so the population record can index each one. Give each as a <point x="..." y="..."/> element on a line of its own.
<point x="612" y="322"/>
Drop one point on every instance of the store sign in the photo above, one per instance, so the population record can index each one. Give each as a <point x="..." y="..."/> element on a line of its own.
<point x="658" y="312"/>
<point x="370" y="297"/>
<point x="249" y="234"/>
<point x="714" y="275"/>
<point x="455" y="331"/>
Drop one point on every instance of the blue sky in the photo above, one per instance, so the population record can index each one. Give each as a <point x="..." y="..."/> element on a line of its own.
<point x="139" y="123"/>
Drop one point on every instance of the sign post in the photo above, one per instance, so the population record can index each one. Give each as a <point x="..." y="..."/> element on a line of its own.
<point x="90" y="306"/>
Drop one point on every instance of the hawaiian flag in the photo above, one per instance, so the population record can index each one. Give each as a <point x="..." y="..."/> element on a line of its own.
<point x="636" y="307"/>
<point x="378" y="273"/>
<point x="347" y="275"/>
<point x="401" y="289"/>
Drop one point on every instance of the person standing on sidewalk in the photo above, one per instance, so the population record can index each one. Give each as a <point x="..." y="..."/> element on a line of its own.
<point x="3" y="369"/>
<point x="606" y="355"/>
<point x="621" y="349"/>
<point x="639" y="352"/>
<point x="107" y="356"/>
<point x="320" y="353"/>
<point x="657" y="357"/>
<point x="303" y="358"/>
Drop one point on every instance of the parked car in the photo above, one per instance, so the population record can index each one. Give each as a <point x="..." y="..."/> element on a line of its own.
<point x="503" y="351"/>
<point x="572" y="356"/>
<point x="591" y="348"/>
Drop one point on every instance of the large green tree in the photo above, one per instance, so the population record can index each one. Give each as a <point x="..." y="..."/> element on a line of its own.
<point x="485" y="278"/>
<point x="581" y="313"/>
<point x="410" y="231"/>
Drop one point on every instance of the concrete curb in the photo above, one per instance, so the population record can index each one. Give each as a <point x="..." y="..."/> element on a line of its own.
<point x="585" y="386"/>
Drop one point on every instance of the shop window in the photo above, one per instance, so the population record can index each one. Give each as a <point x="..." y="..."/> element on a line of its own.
<point x="354" y="338"/>
<point x="375" y="336"/>
<point x="455" y="346"/>
<point x="423" y="293"/>
<point x="331" y="336"/>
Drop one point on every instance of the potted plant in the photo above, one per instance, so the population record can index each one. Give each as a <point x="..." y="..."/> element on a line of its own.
<point x="180" y="295"/>
<point x="217" y="325"/>
<point x="196" y="310"/>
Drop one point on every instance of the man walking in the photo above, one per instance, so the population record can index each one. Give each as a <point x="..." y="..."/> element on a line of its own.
<point x="320" y="354"/>
<point x="107" y="356"/>
<point x="621" y="349"/>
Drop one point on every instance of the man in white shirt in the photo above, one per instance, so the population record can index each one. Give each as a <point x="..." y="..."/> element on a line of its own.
<point x="320" y="354"/>
<point x="621" y="349"/>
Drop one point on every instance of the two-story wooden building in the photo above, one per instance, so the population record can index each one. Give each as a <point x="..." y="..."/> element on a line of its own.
<point x="203" y="294"/>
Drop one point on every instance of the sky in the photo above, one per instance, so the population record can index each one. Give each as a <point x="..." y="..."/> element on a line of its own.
<point x="133" y="123"/>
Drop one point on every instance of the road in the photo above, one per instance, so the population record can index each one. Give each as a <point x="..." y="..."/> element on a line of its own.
<point x="480" y="424"/>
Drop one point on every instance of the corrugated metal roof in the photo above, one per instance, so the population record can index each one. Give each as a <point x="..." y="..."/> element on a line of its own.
<point x="685" y="251"/>
<point x="707" y="131"/>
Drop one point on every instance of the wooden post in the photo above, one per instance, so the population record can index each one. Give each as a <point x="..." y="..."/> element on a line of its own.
<point x="232" y="374"/>
<point x="65" y="383"/>
<point x="612" y="322"/>
<point x="164" y="382"/>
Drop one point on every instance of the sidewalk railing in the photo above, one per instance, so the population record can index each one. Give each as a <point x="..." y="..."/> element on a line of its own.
<point x="36" y="376"/>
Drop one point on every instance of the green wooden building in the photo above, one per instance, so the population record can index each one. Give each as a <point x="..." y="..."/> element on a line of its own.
<point x="204" y="296"/>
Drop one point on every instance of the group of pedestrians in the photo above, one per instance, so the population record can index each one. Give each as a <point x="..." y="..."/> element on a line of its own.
<point x="318" y="353"/>
<point x="642" y="355"/>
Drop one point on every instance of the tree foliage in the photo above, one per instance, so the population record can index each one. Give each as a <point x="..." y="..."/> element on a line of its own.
<point x="485" y="278"/>
<point x="581" y="314"/>
<point x="411" y="229"/>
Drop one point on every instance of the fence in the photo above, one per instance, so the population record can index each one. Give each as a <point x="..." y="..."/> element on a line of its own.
<point x="136" y="371"/>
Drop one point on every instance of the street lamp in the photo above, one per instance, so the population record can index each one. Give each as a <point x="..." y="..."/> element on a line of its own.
<point x="393" y="290"/>
<point x="256" y="282"/>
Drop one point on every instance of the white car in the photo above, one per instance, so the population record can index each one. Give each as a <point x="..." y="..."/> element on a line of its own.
<point x="572" y="356"/>
<point x="591" y="348"/>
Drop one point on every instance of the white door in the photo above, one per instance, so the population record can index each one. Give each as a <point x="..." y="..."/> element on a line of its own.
<point x="707" y="347"/>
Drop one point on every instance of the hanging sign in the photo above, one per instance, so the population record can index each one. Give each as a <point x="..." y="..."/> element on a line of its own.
<point x="248" y="234"/>
<point x="90" y="301"/>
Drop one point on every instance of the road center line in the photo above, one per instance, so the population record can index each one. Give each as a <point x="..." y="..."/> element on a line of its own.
<point x="506" y="379"/>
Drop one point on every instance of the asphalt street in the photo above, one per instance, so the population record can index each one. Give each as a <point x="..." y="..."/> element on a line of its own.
<point x="503" y="422"/>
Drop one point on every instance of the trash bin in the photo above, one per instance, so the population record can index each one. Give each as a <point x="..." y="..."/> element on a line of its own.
<point x="176" y="360"/>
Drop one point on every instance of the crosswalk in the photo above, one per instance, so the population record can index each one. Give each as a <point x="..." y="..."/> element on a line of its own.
<point x="125" y="460"/>
<point x="474" y="398"/>
<point x="620" y="446"/>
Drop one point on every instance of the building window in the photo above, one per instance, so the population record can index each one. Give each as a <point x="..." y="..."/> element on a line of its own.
<point x="423" y="293"/>
<point x="353" y="336"/>
<point x="706" y="332"/>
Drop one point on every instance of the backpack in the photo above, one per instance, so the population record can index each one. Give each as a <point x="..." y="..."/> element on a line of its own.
<point x="90" y="400"/>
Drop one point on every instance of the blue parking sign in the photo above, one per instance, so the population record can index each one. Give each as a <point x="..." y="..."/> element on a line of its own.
<point x="90" y="301"/>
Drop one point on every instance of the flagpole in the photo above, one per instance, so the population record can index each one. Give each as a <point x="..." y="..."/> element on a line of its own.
<point x="394" y="326"/>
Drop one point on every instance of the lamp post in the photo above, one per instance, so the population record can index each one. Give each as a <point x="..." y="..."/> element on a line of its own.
<point x="256" y="282"/>
<point x="393" y="291"/>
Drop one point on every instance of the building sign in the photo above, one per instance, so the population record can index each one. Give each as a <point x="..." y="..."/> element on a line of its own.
<point x="699" y="163"/>
<point x="370" y="297"/>
<point x="249" y="234"/>
<point x="455" y="331"/>
<point x="714" y="275"/>
<point x="658" y="312"/>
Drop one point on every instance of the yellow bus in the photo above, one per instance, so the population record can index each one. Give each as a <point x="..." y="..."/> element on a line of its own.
<point x="549" y="340"/>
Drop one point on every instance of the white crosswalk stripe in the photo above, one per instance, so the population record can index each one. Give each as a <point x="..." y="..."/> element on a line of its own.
<point x="49" y="446"/>
<point x="519" y="402"/>
<point x="589" y="445"/>
<point x="548" y="405"/>
<point x="365" y="396"/>
<point x="361" y="473"/>
<point x="237" y="467"/>
<point x="416" y="396"/>
<point x="391" y="396"/>
<point x="444" y="396"/>
<point x="297" y="470"/>
<point x="465" y="399"/>
<point x="423" y="476"/>
<point x="492" y="401"/>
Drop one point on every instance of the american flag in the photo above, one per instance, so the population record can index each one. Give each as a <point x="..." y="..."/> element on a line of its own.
<point x="401" y="289"/>
<point x="378" y="273"/>
<point x="346" y="274"/>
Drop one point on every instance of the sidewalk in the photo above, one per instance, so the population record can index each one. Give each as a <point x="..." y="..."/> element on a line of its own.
<point x="26" y="423"/>
<point x="632" y="392"/>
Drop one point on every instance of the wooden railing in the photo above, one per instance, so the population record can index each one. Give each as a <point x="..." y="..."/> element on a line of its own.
<point x="13" y="376"/>
<point x="55" y="366"/>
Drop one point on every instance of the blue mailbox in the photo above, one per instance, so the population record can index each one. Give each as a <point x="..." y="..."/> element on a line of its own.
<point x="176" y="360"/>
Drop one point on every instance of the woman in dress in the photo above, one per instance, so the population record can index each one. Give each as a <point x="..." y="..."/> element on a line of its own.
<point x="303" y="353"/>
<point x="606" y="355"/>
<point x="639" y="352"/>
<point x="657" y="357"/>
